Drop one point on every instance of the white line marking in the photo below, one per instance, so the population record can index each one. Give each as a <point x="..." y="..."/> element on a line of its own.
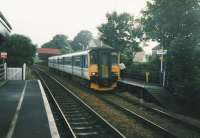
<point x="52" y="124"/>
<point x="14" y="120"/>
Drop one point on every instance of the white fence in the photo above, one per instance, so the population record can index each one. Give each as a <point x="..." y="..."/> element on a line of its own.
<point x="16" y="73"/>
<point x="12" y="73"/>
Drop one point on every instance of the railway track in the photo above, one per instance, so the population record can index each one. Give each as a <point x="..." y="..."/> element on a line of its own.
<point x="161" y="121"/>
<point x="77" y="117"/>
<point x="162" y="112"/>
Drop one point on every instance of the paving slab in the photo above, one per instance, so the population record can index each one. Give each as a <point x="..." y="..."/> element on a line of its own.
<point x="164" y="97"/>
<point x="23" y="111"/>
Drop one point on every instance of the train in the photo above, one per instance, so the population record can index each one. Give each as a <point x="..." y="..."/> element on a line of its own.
<point x="97" y="66"/>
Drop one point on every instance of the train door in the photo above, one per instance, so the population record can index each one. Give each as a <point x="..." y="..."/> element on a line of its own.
<point x="104" y="66"/>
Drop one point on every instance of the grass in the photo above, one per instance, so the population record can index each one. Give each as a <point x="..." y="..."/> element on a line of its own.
<point x="29" y="74"/>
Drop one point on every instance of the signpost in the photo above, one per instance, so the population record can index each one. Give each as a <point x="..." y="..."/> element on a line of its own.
<point x="3" y="55"/>
<point x="162" y="52"/>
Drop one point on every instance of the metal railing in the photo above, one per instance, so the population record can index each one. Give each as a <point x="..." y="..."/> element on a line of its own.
<point x="154" y="76"/>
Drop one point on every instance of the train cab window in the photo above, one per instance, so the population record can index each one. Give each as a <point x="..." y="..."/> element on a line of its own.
<point x="86" y="61"/>
<point x="93" y="58"/>
<point x="114" y="58"/>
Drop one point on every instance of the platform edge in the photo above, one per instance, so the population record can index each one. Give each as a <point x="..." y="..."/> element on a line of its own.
<point x="51" y="121"/>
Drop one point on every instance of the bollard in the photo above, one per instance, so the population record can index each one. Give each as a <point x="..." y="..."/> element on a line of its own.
<point x="147" y="76"/>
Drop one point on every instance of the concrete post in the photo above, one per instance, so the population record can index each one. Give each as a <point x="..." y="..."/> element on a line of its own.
<point x="24" y="71"/>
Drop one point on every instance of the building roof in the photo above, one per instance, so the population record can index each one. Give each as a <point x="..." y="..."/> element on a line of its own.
<point x="51" y="51"/>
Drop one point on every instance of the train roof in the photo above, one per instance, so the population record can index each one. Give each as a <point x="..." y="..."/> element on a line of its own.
<point x="82" y="52"/>
<point x="71" y="54"/>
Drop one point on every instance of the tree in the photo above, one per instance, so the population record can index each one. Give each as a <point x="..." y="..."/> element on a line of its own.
<point x="176" y="26"/>
<point x="20" y="50"/>
<point x="59" y="41"/>
<point x="121" y="32"/>
<point x="82" y="40"/>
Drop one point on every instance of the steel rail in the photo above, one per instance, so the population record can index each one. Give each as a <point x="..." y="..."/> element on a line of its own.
<point x="59" y="112"/>
<point x="162" y="113"/>
<point x="99" y="128"/>
<point x="133" y="114"/>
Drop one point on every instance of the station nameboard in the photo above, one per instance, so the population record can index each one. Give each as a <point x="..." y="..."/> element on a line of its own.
<point x="3" y="55"/>
<point x="161" y="52"/>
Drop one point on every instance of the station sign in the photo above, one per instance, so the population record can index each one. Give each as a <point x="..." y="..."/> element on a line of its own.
<point x="161" y="52"/>
<point x="3" y="55"/>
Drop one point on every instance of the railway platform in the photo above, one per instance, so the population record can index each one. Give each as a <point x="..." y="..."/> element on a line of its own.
<point x="25" y="112"/>
<point x="166" y="99"/>
<point x="161" y="95"/>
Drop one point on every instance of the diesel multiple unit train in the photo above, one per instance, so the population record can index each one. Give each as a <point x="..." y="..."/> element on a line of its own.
<point x="99" y="67"/>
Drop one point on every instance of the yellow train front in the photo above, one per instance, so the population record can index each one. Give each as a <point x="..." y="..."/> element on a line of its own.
<point x="103" y="69"/>
<point x="99" y="67"/>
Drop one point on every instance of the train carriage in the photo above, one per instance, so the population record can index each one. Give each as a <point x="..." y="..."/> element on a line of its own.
<point x="98" y="66"/>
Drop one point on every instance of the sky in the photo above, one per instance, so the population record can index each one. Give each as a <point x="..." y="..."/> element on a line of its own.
<point x="42" y="19"/>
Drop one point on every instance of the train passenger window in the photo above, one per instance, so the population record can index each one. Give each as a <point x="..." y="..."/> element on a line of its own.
<point x="93" y="58"/>
<point x="86" y="61"/>
<point x="114" y="58"/>
<point x="67" y="61"/>
<point x="59" y="61"/>
<point x="55" y="61"/>
<point x="77" y="61"/>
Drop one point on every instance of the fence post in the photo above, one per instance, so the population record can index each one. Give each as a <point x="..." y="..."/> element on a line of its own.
<point x="164" y="78"/>
<point x="5" y="71"/>
<point x="24" y="71"/>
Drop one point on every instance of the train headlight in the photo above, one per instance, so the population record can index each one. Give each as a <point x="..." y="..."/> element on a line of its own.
<point x="94" y="73"/>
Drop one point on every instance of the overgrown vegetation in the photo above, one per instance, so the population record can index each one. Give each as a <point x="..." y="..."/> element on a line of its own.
<point x="20" y="50"/>
<point x="176" y="26"/>
<point x="138" y="71"/>
<point x="122" y="32"/>
<point x="81" y="40"/>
